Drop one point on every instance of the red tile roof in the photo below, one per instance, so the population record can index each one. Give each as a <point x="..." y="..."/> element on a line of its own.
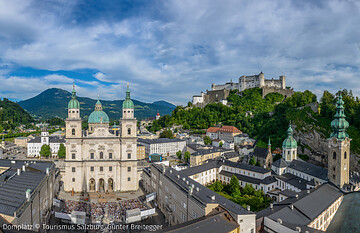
<point x="229" y="129"/>
<point x="213" y="129"/>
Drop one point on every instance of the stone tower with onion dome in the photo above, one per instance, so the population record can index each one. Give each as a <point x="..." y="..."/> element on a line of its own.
<point x="339" y="148"/>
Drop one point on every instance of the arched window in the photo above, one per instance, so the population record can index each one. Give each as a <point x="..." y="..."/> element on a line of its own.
<point x="334" y="155"/>
<point x="73" y="131"/>
<point x="345" y="155"/>
<point x="129" y="131"/>
<point x="101" y="155"/>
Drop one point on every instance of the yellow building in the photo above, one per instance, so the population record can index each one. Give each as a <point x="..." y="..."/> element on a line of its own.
<point x="140" y="152"/>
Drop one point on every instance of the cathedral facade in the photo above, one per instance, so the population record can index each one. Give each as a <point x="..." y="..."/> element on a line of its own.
<point x="98" y="160"/>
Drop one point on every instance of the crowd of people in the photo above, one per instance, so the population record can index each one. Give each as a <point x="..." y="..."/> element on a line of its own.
<point x="70" y="206"/>
<point x="115" y="210"/>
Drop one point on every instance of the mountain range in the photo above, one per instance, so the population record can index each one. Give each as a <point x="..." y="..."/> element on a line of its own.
<point x="53" y="103"/>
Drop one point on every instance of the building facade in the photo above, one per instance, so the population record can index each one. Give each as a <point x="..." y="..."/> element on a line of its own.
<point x="97" y="160"/>
<point x="181" y="199"/>
<point x="162" y="146"/>
<point x="34" y="145"/>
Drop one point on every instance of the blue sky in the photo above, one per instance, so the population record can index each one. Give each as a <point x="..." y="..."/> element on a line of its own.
<point x="173" y="49"/>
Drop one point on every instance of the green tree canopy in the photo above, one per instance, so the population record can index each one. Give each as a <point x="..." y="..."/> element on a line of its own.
<point x="45" y="151"/>
<point x="167" y="133"/>
<point x="187" y="156"/>
<point x="252" y="161"/>
<point x="62" y="151"/>
<point x="178" y="154"/>
<point x="234" y="186"/>
<point x="207" y="140"/>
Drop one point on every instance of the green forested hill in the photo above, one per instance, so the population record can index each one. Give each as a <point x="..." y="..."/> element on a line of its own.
<point x="53" y="103"/>
<point x="11" y="115"/>
<point x="271" y="115"/>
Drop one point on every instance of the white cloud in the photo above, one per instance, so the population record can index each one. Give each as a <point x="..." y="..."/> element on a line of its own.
<point x="193" y="44"/>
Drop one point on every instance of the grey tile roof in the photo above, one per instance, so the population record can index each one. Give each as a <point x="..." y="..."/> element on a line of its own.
<point x="217" y="222"/>
<point x="51" y="140"/>
<point x="204" y="194"/>
<point x="159" y="140"/>
<point x="306" y="207"/>
<point x="13" y="186"/>
<point x="261" y="152"/>
<point x="295" y="181"/>
<point x="280" y="163"/>
<point x="216" y="163"/>
<point x="245" y="166"/>
<point x="309" y="169"/>
<point x="288" y="193"/>
<point x="210" y="164"/>
<point x="229" y="155"/>
<point x="249" y="179"/>
<point x="347" y="217"/>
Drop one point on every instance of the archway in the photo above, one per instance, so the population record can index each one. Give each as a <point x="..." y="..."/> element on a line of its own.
<point x="111" y="185"/>
<point x="92" y="185"/>
<point x="101" y="185"/>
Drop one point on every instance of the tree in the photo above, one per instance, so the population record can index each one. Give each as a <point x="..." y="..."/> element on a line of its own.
<point x="221" y="144"/>
<point x="257" y="163"/>
<point x="234" y="186"/>
<point x="187" y="156"/>
<point x="252" y="161"/>
<point x="62" y="151"/>
<point x="167" y="133"/>
<point x="277" y="157"/>
<point x="207" y="140"/>
<point x="178" y="154"/>
<point x="45" y="151"/>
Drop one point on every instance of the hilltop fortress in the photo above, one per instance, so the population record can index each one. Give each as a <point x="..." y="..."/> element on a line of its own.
<point x="219" y="93"/>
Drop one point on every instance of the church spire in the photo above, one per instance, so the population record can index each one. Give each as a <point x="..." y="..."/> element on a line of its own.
<point x="127" y="92"/>
<point x="339" y="124"/>
<point x="73" y="95"/>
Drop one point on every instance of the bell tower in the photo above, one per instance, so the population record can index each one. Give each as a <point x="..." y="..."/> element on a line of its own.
<point x="128" y="145"/>
<point x="289" y="146"/>
<point x="73" y="121"/>
<point x="339" y="148"/>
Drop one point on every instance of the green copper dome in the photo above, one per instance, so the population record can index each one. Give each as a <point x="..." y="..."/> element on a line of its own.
<point x="289" y="142"/>
<point x="339" y="124"/>
<point x="127" y="102"/>
<point x="98" y="116"/>
<point x="73" y="103"/>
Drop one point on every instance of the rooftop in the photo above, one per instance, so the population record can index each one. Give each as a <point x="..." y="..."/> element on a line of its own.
<point x="13" y="186"/>
<point x="229" y="129"/>
<point x="216" y="221"/>
<point x="308" y="168"/>
<point x="204" y="195"/>
<point x="159" y="140"/>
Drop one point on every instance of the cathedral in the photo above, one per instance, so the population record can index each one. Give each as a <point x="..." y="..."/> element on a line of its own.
<point x="98" y="160"/>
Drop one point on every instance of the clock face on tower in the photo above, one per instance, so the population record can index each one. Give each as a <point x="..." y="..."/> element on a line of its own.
<point x="334" y="141"/>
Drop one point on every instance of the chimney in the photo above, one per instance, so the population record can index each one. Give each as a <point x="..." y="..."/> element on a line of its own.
<point x="28" y="194"/>
<point x="178" y="176"/>
<point x="248" y="208"/>
<point x="23" y="168"/>
<point x="190" y="190"/>
<point x="18" y="171"/>
<point x="292" y="206"/>
<point x="47" y="171"/>
<point x="271" y="205"/>
<point x="298" y="229"/>
<point x="308" y="191"/>
<point x="197" y="189"/>
<point x="213" y="197"/>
